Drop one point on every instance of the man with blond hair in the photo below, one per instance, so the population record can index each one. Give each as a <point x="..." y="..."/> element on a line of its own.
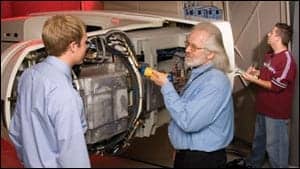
<point x="48" y="124"/>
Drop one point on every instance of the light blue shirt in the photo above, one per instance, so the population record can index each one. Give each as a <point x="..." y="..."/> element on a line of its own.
<point x="48" y="125"/>
<point x="202" y="118"/>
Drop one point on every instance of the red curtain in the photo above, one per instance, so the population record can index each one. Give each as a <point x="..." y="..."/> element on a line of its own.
<point x="6" y="11"/>
<point x="23" y="8"/>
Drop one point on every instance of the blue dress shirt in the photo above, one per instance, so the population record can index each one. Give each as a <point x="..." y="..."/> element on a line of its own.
<point x="48" y="124"/>
<point x="202" y="117"/>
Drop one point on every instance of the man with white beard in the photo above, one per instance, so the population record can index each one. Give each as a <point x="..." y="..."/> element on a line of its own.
<point x="202" y="123"/>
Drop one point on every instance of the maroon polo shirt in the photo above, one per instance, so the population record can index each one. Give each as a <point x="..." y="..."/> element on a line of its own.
<point x="280" y="69"/>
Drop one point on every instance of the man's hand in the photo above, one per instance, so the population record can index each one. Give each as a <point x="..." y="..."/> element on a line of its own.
<point x="252" y="78"/>
<point x="249" y="77"/>
<point x="252" y="71"/>
<point x="159" y="78"/>
<point x="251" y="74"/>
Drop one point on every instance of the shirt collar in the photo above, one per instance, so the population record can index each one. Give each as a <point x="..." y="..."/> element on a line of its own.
<point x="201" y="69"/>
<point x="279" y="53"/>
<point x="60" y="65"/>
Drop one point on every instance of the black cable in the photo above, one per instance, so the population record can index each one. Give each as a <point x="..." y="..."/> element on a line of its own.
<point x="146" y="162"/>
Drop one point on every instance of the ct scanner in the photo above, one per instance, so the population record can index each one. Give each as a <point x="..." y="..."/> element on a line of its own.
<point x="119" y="102"/>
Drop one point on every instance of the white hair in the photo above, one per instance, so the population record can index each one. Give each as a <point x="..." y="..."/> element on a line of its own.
<point x="214" y="43"/>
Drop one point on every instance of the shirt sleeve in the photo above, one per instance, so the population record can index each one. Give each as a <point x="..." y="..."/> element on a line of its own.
<point x="15" y="134"/>
<point x="195" y="113"/>
<point x="281" y="77"/>
<point x="70" y="132"/>
<point x="15" y="128"/>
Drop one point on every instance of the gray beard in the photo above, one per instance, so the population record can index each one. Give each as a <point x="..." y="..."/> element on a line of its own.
<point x="194" y="62"/>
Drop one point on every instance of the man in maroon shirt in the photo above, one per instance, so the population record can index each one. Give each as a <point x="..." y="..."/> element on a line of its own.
<point x="276" y="81"/>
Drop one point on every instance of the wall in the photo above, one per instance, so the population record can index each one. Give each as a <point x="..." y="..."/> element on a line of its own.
<point x="294" y="142"/>
<point x="166" y="8"/>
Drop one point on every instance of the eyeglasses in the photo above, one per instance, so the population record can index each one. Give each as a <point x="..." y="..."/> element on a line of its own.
<point x="192" y="46"/>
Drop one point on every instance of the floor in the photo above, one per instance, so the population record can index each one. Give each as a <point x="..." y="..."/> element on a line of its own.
<point x="152" y="152"/>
